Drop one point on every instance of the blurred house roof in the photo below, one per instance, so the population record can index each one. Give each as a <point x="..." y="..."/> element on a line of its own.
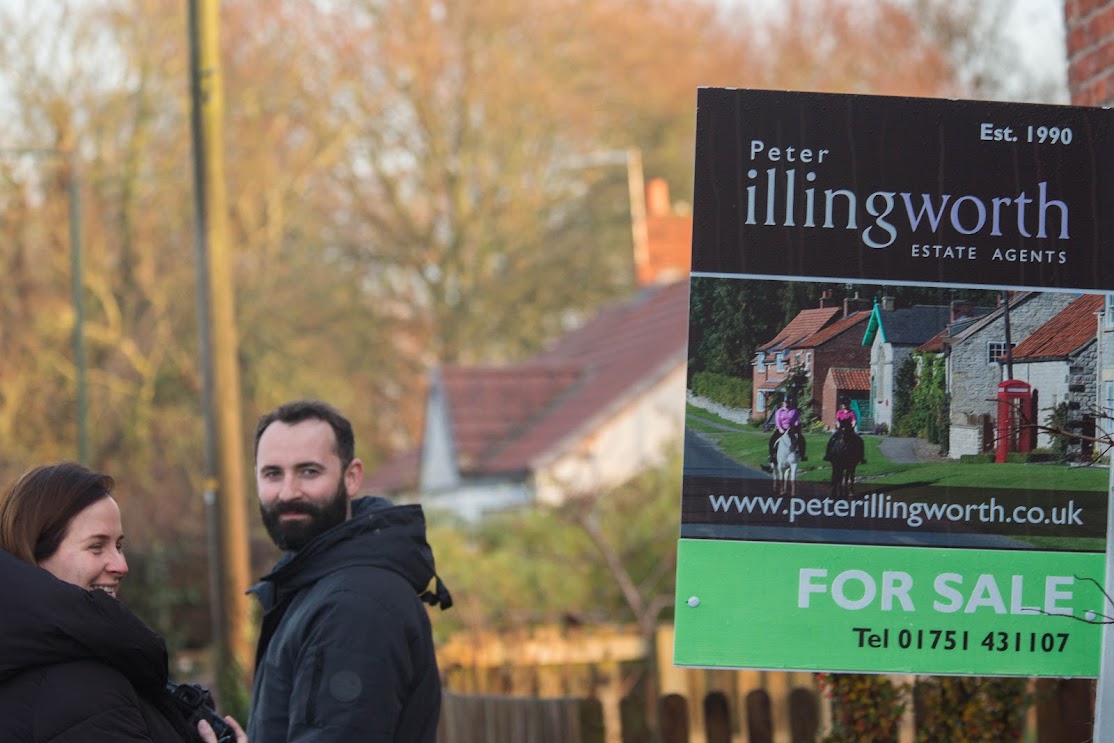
<point x="510" y="420"/>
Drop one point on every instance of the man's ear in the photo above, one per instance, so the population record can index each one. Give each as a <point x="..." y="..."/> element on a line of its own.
<point x="353" y="476"/>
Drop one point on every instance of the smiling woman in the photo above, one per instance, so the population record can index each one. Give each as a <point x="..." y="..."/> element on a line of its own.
<point x="75" y="665"/>
<point x="92" y="553"/>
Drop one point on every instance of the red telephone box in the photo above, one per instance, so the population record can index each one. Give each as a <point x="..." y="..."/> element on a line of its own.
<point x="1017" y="418"/>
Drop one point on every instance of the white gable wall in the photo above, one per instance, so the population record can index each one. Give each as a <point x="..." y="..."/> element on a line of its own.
<point x="882" y="380"/>
<point x="1050" y="380"/>
<point x="438" y="470"/>
<point x="472" y="500"/>
<point x="634" y="438"/>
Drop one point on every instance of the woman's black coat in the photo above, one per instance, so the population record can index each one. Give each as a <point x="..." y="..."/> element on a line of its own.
<point x="77" y="667"/>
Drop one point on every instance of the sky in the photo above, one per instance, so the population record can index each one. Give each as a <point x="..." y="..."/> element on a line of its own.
<point x="1039" y="26"/>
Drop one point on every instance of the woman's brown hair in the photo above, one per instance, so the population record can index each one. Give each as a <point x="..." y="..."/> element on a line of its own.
<point x="37" y="509"/>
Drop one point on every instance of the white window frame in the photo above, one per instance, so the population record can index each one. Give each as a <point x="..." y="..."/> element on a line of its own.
<point x="1000" y="346"/>
<point x="780" y="361"/>
<point x="1108" y="311"/>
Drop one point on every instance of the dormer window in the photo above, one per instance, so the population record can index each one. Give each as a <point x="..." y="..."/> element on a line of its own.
<point x="780" y="359"/>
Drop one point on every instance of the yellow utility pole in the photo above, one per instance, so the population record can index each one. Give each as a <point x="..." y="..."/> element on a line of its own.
<point x="225" y="478"/>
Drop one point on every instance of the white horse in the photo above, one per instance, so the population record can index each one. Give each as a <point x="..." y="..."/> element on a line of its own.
<point x="785" y="465"/>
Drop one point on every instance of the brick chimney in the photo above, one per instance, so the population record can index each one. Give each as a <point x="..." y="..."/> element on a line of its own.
<point x="1090" y="41"/>
<point x="668" y="252"/>
<point x="657" y="198"/>
<point x="961" y="308"/>
<point x="854" y="304"/>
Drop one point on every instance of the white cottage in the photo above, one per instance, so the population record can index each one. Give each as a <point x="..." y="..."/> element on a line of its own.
<point x="974" y="368"/>
<point x="892" y="335"/>
<point x="1059" y="361"/>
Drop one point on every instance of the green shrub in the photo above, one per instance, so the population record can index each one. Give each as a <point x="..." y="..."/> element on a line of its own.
<point x="971" y="709"/>
<point x="1030" y="457"/>
<point x="1058" y="421"/>
<point x="731" y="391"/>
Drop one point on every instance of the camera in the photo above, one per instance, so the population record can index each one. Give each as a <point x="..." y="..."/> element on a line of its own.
<point x="196" y="703"/>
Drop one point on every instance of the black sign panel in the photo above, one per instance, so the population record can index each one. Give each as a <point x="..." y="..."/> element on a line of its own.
<point x="905" y="190"/>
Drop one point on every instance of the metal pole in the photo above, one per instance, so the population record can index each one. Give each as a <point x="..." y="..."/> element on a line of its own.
<point x="1104" y="689"/>
<point x="224" y="407"/>
<point x="201" y="264"/>
<point x="78" y="282"/>
<point x="1104" y="692"/>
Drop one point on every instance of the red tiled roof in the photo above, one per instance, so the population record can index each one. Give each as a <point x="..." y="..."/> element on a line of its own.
<point x="490" y="404"/>
<point x="806" y="324"/>
<point x="851" y="379"/>
<point x="935" y="344"/>
<point x="1069" y="330"/>
<point x="625" y="349"/>
<point x="837" y="328"/>
<point x="513" y="418"/>
<point x="398" y="474"/>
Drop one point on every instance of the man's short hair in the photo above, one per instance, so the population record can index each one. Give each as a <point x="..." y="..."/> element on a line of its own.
<point x="297" y="411"/>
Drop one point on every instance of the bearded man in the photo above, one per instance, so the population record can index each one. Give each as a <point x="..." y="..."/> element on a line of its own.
<point x="345" y="648"/>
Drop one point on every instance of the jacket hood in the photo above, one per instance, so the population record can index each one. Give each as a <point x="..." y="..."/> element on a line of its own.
<point x="50" y="621"/>
<point x="379" y="534"/>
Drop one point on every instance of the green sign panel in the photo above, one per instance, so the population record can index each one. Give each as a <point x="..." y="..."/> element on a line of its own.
<point x="887" y="609"/>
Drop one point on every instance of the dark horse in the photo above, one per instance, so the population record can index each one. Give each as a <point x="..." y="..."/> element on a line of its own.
<point x="845" y="452"/>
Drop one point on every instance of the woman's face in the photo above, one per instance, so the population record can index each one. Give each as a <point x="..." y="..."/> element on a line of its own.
<point x="91" y="554"/>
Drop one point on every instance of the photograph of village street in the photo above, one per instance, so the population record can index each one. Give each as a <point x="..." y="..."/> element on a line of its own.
<point x="924" y="382"/>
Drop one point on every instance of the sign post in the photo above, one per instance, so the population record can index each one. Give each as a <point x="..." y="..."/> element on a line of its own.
<point x="1104" y="693"/>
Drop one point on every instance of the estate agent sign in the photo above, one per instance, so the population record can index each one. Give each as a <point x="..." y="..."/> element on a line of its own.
<point x="992" y="225"/>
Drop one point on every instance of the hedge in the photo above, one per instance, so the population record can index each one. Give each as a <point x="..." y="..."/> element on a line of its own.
<point x="725" y="390"/>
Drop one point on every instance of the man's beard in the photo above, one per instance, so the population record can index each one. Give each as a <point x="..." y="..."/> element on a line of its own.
<point x="294" y="535"/>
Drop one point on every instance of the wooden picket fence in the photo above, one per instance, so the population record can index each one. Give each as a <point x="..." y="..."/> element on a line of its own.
<point x="599" y="663"/>
<point x="1062" y="715"/>
<point x="485" y="718"/>
<point x="573" y="685"/>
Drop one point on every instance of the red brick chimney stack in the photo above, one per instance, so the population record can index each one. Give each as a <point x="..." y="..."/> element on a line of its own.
<point x="1090" y="42"/>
